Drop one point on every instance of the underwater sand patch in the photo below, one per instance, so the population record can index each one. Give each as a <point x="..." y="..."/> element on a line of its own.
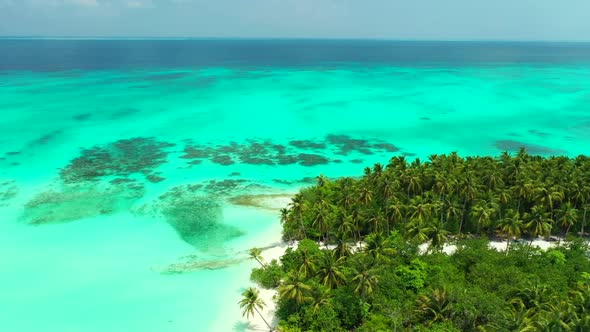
<point x="263" y="201"/>
<point x="196" y="218"/>
<point x="75" y="202"/>
<point x="121" y="158"/>
<point x="515" y="146"/>
<point x="194" y="263"/>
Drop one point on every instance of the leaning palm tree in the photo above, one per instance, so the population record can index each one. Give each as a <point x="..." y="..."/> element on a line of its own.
<point x="251" y="302"/>
<point x="256" y="254"/>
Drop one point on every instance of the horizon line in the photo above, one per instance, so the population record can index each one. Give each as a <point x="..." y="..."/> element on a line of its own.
<point x="36" y="37"/>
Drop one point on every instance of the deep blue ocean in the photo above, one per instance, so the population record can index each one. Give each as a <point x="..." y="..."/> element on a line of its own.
<point x="90" y="54"/>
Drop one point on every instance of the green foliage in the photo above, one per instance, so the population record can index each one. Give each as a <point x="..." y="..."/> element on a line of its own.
<point x="414" y="275"/>
<point x="386" y="284"/>
<point x="269" y="276"/>
<point x="556" y="257"/>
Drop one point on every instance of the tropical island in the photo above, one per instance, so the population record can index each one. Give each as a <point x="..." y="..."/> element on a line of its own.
<point x="414" y="246"/>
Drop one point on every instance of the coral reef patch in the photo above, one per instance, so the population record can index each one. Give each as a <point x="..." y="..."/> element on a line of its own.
<point x="8" y="190"/>
<point x="121" y="158"/>
<point x="513" y="146"/>
<point x="303" y="152"/>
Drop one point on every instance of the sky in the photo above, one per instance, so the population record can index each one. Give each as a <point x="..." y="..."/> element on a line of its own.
<point x="562" y="20"/>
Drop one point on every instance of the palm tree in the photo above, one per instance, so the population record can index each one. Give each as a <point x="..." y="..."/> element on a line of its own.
<point x="298" y="207"/>
<point x="482" y="213"/>
<point x="308" y="264"/>
<point x="378" y="246"/>
<point x="365" y="194"/>
<point x="539" y="223"/>
<point x="435" y="306"/>
<point x="493" y="179"/>
<point x="342" y="248"/>
<point x="523" y="190"/>
<point x="417" y="230"/>
<point x="469" y="191"/>
<point x="256" y="254"/>
<point x="548" y="197"/>
<point x="330" y="274"/>
<point x="251" y="302"/>
<point x="437" y="234"/>
<point x="395" y="211"/>
<point x="364" y="283"/>
<point x="511" y="227"/>
<point x="321" y="221"/>
<point x="567" y="217"/>
<point x="321" y="298"/>
<point x="420" y="209"/>
<point x="413" y="182"/>
<point x="388" y="186"/>
<point x="295" y="290"/>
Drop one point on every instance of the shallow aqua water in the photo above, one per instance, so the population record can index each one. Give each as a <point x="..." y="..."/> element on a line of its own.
<point x="103" y="271"/>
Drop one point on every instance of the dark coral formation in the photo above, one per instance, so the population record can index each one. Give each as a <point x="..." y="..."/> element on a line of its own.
<point x="513" y="146"/>
<point x="346" y="145"/>
<point x="122" y="113"/>
<point x="224" y="187"/>
<point x="121" y="159"/>
<point x="75" y="202"/>
<point x="8" y="190"/>
<point x="302" y="152"/>
<point x="43" y="140"/>
<point x="82" y="117"/>
<point x="307" y="144"/>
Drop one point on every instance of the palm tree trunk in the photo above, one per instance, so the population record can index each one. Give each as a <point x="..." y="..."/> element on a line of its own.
<point x="267" y="324"/>
<point x="259" y="262"/>
<point x="508" y="244"/>
<point x="584" y="220"/>
<point x="462" y="217"/>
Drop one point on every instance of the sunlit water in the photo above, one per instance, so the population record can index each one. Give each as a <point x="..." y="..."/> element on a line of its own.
<point x="95" y="252"/>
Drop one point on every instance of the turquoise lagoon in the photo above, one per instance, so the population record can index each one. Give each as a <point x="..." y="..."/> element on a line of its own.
<point x="116" y="184"/>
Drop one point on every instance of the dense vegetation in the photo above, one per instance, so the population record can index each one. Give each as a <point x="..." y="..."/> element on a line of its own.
<point x="387" y="284"/>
